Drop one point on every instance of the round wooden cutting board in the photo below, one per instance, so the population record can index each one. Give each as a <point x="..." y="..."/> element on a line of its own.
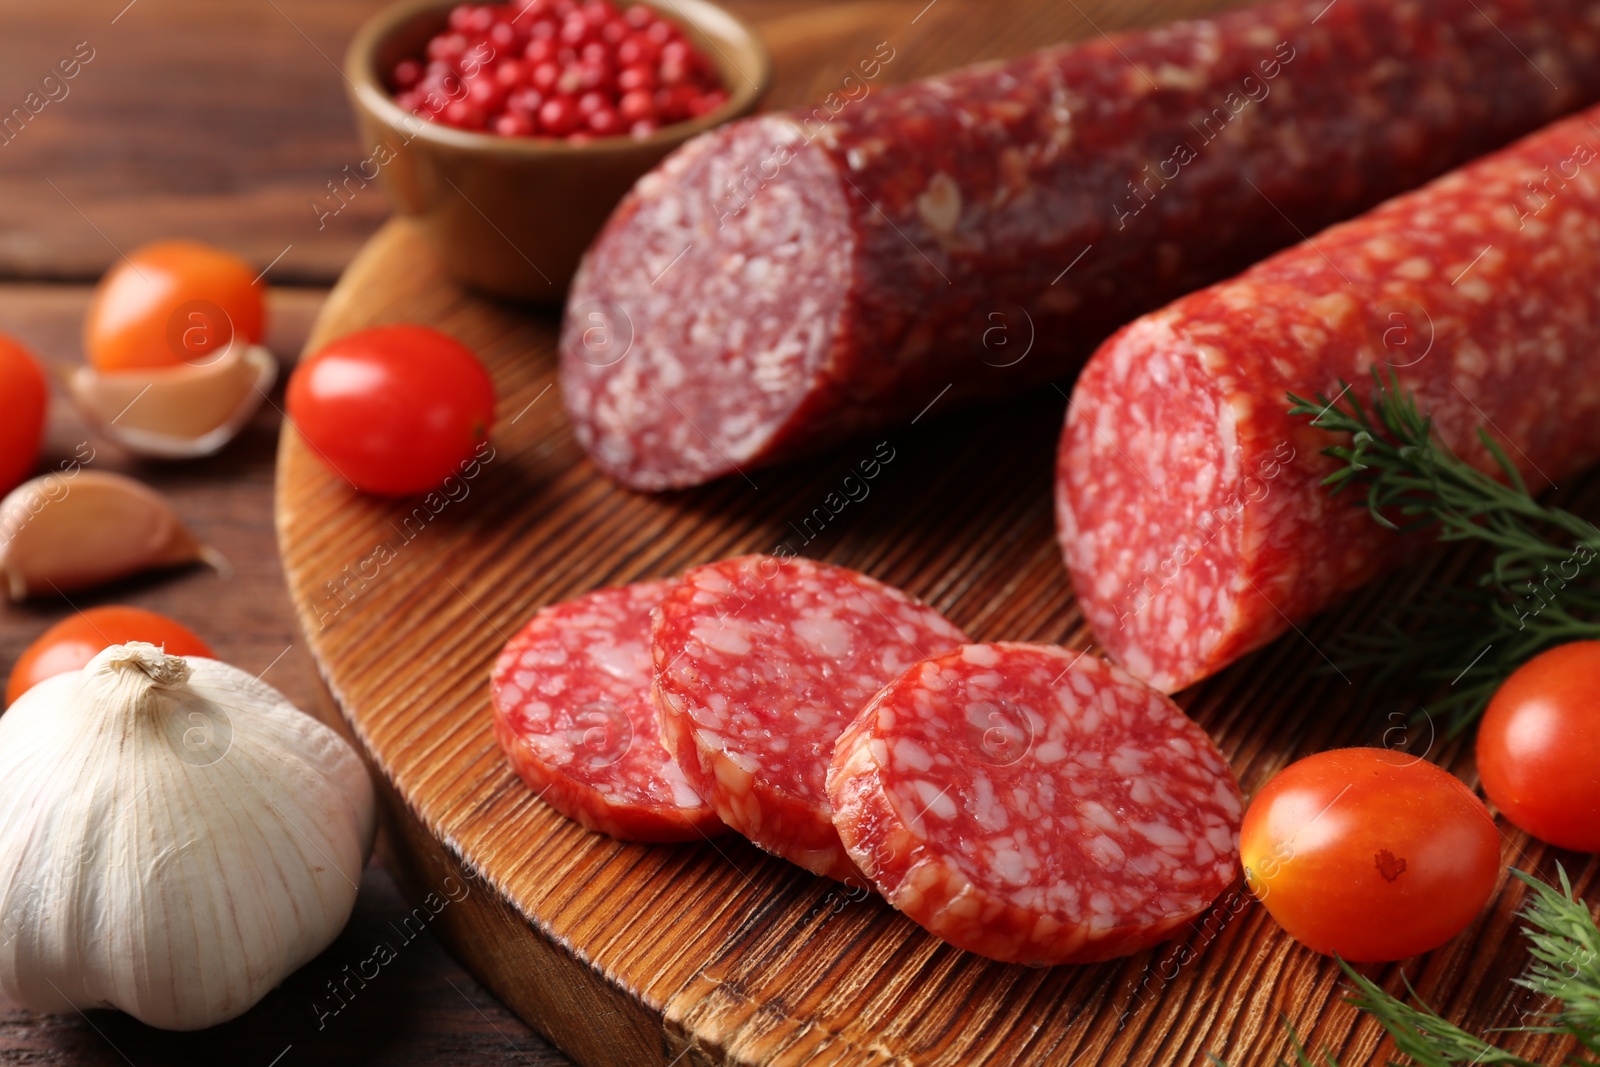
<point x="716" y="953"/>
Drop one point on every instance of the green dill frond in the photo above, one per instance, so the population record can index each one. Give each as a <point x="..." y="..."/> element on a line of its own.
<point x="1565" y="945"/>
<point x="1541" y="586"/>
<point x="1419" y="1032"/>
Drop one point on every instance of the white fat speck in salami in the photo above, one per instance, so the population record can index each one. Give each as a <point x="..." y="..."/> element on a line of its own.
<point x="1035" y="805"/>
<point x="572" y="710"/>
<point x="760" y="664"/>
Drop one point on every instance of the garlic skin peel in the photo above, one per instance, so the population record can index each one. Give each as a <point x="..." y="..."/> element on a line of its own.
<point x="175" y="839"/>
<point x="181" y="412"/>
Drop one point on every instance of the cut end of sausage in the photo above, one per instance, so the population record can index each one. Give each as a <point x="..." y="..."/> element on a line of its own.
<point x="1150" y="499"/>
<point x="703" y="317"/>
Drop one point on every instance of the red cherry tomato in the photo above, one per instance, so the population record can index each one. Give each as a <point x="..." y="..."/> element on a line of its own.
<point x="1539" y="747"/>
<point x="394" y="409"/>
<point x="71" y="643"/>
<point x="170" y="303"/>
<point x="24" y="402"/>
<point x="1371" y="854"/>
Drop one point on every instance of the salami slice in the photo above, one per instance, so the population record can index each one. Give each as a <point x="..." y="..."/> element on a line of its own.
<point x="1189" y="502"/>
<point x="572" y="710"/>
<point x="761" y="662"/>
<point x="783" y="282"/>
<point x="1036" y="805"/>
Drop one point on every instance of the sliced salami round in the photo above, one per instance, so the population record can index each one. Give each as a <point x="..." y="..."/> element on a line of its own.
<point x="1036" y="805"/>
<point x="760" y="664"/>
<point x="572" y="710"/>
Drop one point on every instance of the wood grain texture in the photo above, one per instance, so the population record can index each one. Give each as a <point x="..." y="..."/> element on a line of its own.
<point x="201" y="118"/>
<point x="716" y="953"/>
<point x="422" y="1009"/>
<point x="225" y="120"/>
<point x="628" y="954"/>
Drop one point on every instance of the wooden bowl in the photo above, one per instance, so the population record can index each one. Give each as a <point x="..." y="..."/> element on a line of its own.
<point x="512" y="215"/>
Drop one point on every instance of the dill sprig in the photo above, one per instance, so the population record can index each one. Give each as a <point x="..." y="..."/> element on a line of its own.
<point x="1564" y="944"/>
<point x="1421" y="1033"/>
<point x="1524" y="601"/>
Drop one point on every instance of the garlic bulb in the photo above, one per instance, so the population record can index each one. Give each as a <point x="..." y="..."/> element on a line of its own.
<point x="175" y="839"/>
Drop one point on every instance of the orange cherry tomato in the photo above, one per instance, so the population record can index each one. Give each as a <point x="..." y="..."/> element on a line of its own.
<point x="24" y="402"/>
<point x="1370" y="854"/>
<point x="170" y="303"/>
<point x="71" y="643"/>
<point x="1539" y="747"/>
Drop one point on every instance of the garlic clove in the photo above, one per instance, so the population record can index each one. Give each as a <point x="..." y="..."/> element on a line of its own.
<point x="61" y="533"/>
<point x="177" y="412"/>
<point x="176" y="838"/>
